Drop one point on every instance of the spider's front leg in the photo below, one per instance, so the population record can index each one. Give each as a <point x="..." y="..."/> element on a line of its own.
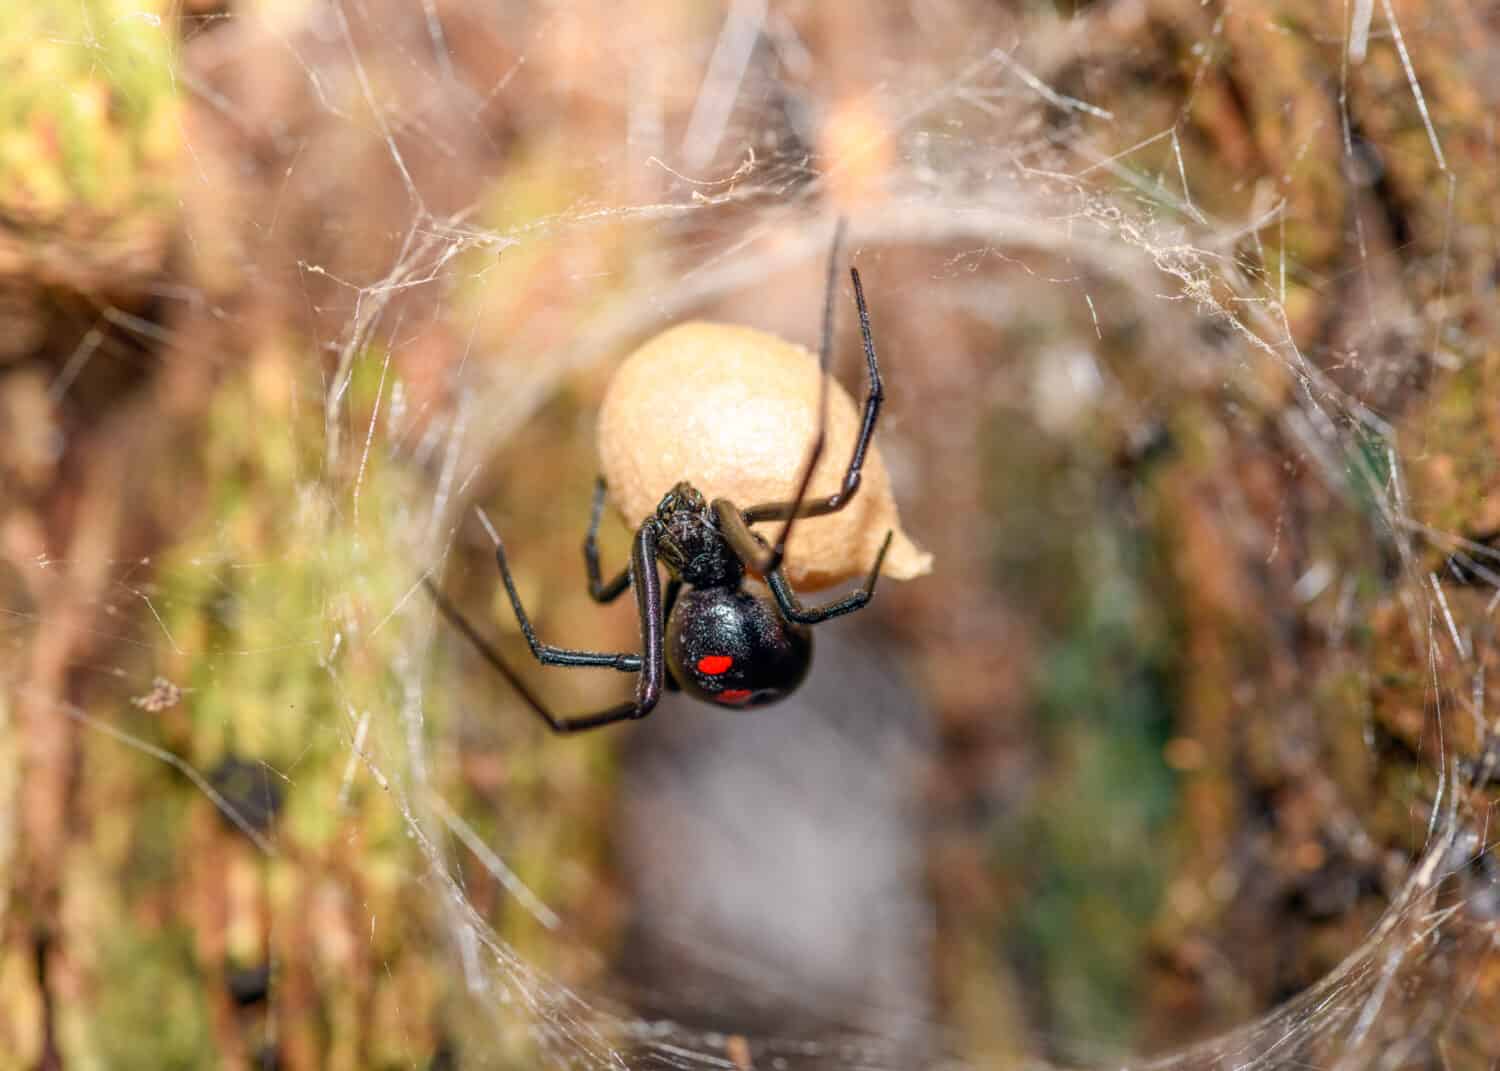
<point x="793" y="610"/>
<point x="601" y="592"/>
<point x="598" y="590"/>
<point x="874" y="396"/>
<point x="746" y="544"/>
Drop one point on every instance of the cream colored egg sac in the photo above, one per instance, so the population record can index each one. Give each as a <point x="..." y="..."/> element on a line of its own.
<point x="733" y="411"/>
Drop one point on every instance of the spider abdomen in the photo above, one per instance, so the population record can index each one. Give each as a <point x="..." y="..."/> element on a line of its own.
<point x="730" y="648"/>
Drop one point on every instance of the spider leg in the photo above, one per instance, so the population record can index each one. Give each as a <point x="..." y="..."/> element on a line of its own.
<point x="734" y="526"/>
<point x="674" y="588"/>
<point x="788" y="510"/>
<point x="798" y="506"/>
<point x="747" y="545"/>
<point x="651" y="664"/>
<point x="498" y="664"/>
<point x="874" y="396"/>
<point x="793" y="610"/>
<point x="546" y="653"/>
<point x="598" y="590"/>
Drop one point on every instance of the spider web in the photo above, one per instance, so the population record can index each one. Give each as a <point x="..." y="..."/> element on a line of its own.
<point x="468" y="281"/>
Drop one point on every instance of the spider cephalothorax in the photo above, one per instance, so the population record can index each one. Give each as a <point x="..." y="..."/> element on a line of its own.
<point x="689" y="542"/>
<point x="705" y="633"/>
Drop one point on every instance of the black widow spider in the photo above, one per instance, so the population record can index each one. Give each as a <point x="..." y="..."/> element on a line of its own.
<point x="709" y="636"/>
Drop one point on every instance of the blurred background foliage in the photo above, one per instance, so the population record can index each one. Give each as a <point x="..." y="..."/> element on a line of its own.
<point x="286" y="287"/>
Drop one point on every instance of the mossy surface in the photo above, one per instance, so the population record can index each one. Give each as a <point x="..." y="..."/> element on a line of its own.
<point x="88" y="111"/>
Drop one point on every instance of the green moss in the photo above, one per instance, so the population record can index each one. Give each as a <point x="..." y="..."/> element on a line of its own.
<point x="275" y="618"/>
<point x="279" y="606"/>
<point x="272" y="604"/>
<point x="1369" y="468"/>
<point x="88" y="119"/>
<point x="1096" y="836"/>
<point x="1091" y="848"/>
<point x="152" y="1014"/>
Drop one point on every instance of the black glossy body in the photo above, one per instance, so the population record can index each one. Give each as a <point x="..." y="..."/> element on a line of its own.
<point x="704" y="633"/>
<point x="728" y="647"/>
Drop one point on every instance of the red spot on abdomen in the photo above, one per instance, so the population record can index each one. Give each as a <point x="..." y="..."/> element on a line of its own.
<point x="714" y="664"/>
<point x="733" y="695"/>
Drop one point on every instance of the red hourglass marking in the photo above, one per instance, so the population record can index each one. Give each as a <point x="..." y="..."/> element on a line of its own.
<point x="714" y="664"/>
